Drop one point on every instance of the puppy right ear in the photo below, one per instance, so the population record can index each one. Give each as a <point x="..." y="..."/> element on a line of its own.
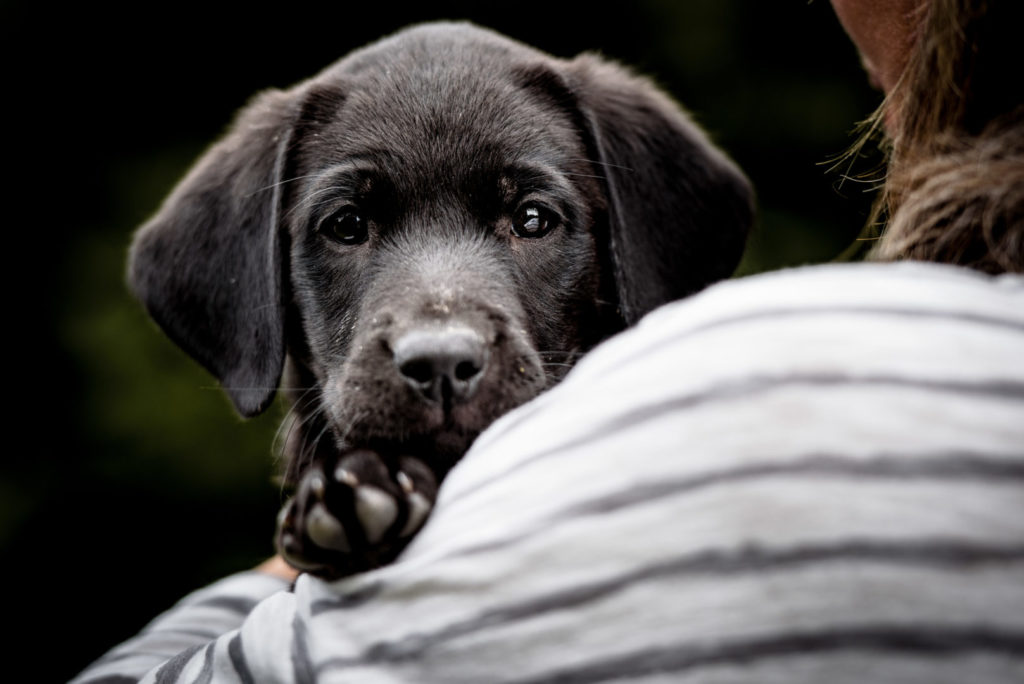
<point x="679" y="209"/>
<point x="208" y="266"/>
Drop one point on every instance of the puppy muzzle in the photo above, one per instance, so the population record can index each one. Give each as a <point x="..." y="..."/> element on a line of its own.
<point x="444" y="364"/>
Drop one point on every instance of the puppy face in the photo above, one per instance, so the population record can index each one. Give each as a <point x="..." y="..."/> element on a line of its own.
<point x="429" y="231"/>
<point x="438" y="211"/>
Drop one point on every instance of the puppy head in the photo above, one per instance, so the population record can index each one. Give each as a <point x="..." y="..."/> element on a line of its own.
<point x="445" y="188"/>
<point x="454" y="208"/>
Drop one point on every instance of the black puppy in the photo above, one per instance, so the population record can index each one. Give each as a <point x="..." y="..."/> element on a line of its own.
<point x="424" y="236"/>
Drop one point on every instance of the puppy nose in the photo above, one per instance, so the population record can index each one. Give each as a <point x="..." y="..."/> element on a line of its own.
<point x="443" y="365"/>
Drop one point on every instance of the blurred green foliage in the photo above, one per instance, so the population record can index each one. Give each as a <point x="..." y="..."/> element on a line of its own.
<point x="138" y="481"/>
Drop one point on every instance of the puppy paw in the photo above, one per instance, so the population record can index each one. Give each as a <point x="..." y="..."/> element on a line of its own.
<point x="354" y="513"/>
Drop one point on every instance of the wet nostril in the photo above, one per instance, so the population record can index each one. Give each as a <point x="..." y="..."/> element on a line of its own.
<point x="418" y="370"/>
<point x="467" y="370"/>
<point x="441" y="364"/>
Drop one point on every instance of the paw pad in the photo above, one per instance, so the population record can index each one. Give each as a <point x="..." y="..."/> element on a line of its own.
<point x="358" y="517"/>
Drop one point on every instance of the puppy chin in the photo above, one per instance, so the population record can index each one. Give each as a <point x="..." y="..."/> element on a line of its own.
<point x="438" y="434"/>
<point x="439" y="448"/>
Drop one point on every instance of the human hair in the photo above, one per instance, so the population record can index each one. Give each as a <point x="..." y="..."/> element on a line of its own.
<point x="954" y="186"/>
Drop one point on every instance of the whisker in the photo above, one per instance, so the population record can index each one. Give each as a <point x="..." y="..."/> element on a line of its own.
<point x="581" y="175"/>
<point x="306" y="450"/>
<point x="316" y="440"/>
<point x="297" y="426"/>
<point x="238" y="388"/>
<point x="292" y="420"/>
<point x="572" y="353"/>
<point x="308" y="202"/>
<point x="601" y="163"/>
<point x="280" y="183"/>
<point x="351" y="423"/>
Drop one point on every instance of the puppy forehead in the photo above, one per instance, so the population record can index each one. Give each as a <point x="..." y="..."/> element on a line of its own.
<point x="444" y="111"/>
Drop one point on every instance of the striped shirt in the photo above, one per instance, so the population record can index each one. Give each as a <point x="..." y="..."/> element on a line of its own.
<point x="813" y="475"/>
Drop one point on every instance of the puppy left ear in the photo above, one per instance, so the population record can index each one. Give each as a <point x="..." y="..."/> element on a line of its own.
<point x="207" y="266"/>
<point x="679" y="209"/>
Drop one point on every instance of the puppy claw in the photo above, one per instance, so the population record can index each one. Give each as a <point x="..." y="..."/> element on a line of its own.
<point x="326" y="531"/>
<point x="345" y="476"/>
<point x="405" y="482"/>
<point x="316" y="486"/>
<point x="284" y="517"/>
<point x="419" y="508"/>
<point x="376" y="510"/>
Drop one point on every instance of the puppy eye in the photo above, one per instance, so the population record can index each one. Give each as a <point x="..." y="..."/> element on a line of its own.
<point x="347" y="227"/>
<point x="532" y="221"/>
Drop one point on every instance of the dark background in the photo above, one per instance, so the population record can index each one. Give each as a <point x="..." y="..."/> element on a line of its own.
<point x="129" y="480"/>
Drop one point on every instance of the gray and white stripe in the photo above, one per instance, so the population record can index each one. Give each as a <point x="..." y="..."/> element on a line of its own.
<point x="813" y="475"/>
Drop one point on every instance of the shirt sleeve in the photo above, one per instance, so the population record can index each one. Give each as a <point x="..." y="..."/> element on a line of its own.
<point x="197" y="619"/>
<point x="814" y="475"/>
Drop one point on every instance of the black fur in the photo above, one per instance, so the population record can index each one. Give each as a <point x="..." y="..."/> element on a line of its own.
<point x="437" y="137"/>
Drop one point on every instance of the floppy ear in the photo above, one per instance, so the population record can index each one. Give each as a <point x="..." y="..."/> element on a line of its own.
<point x="679" y="209"/>
<point x="208" y="266"/>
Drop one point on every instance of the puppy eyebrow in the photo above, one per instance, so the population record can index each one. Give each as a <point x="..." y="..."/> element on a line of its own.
<point x="354" y="175"/>
<point x="351" y="177"/>
<point x="358" y="169"/>
<point x="526" y="177"/>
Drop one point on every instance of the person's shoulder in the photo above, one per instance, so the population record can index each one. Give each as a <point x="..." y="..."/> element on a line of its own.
<point x="834" y="315"/>
<point x="833" y="286"/>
